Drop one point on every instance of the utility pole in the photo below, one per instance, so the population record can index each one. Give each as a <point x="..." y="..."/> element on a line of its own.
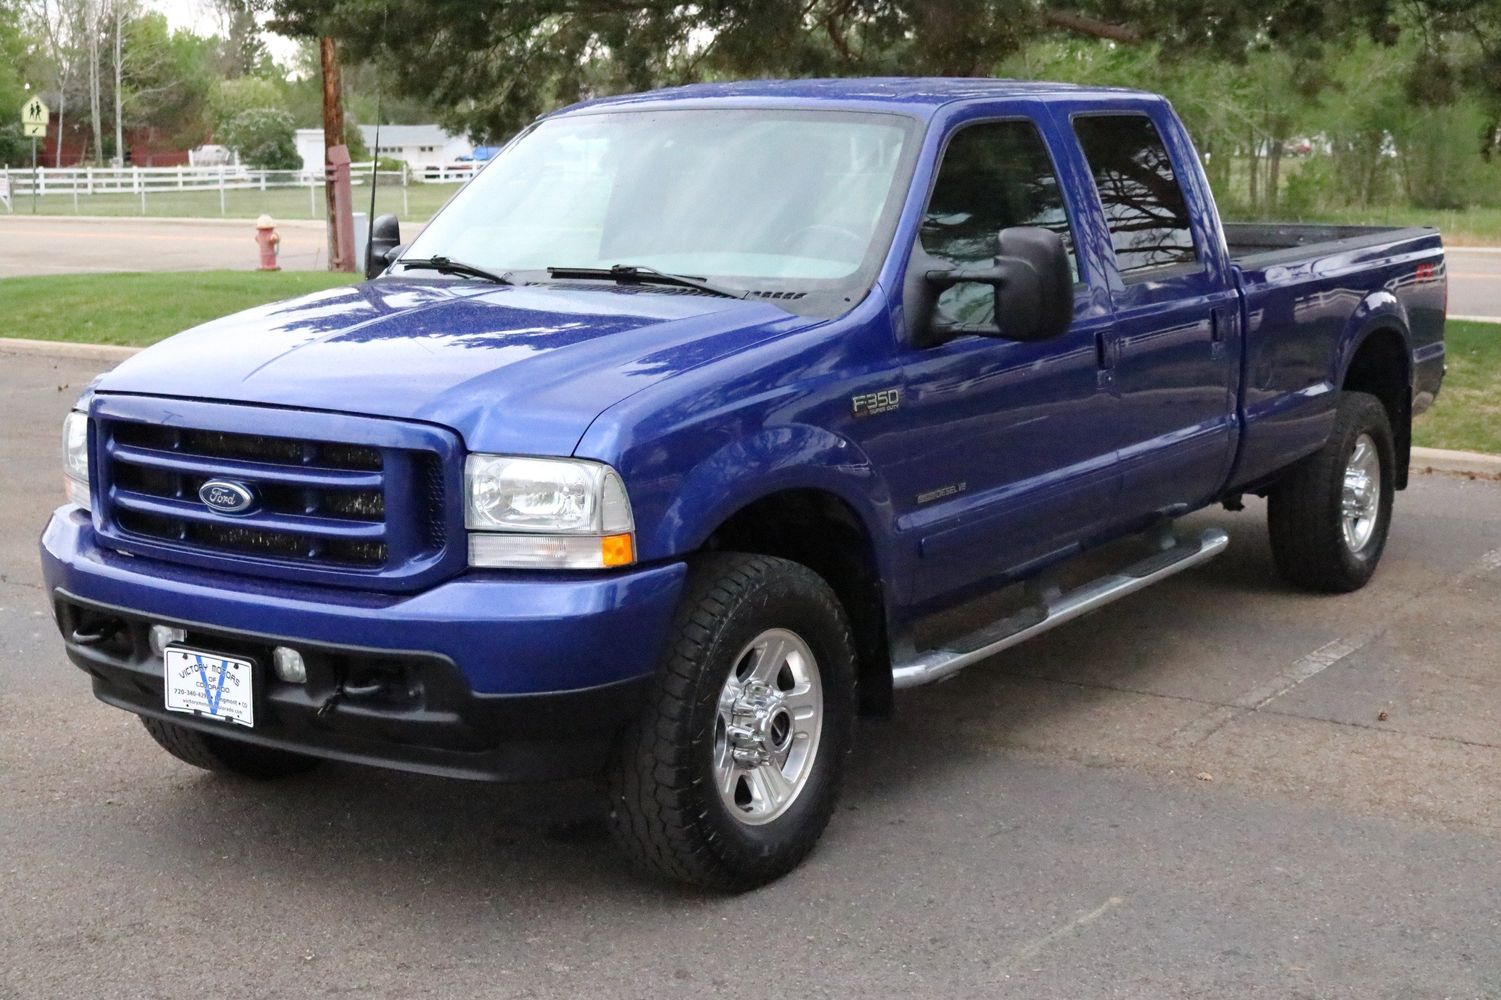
<point x="119" y="102"/>
<point x="336" y="188"/>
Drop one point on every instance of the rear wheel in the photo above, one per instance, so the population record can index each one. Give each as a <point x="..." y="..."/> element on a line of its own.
<point x="731" y="773"/>
<point x="226" y="756"/>
<point x="1329" y="517"/>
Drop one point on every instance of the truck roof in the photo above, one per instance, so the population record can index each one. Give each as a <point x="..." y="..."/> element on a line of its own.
<point x="913" y="94"/>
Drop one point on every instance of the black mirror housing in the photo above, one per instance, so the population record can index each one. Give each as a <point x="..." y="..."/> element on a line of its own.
<point x="1035" y="298"/>
<point x="1032" y="280"/>
<point x="385" y="236"/>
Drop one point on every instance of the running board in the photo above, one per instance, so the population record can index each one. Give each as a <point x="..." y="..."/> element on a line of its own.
<point x="1054" y="609"/>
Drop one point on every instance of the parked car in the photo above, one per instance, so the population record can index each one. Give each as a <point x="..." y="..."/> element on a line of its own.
<point x="657" y="453"/>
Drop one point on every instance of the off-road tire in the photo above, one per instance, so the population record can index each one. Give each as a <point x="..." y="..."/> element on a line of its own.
<point x="1305" y="509"/>
<point x="666" y="812"/>
<point x="226" y="756"/>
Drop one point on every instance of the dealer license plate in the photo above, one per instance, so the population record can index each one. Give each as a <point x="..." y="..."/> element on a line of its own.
<point x="211" y="685"/>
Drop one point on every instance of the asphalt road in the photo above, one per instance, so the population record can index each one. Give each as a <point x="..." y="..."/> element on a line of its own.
<point x="1193" y="793"/>
<point x="59" y="245"/>
<point x="1474" y="282"/>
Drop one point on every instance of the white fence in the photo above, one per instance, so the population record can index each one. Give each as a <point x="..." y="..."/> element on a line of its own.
<point x="144" y="184"/>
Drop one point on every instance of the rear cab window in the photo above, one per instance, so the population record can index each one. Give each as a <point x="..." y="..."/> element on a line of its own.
<point x="994" y="174"/>
<point x="1144" y="208"/>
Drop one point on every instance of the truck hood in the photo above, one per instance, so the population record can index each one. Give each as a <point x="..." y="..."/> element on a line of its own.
<point x="519" y="369"/>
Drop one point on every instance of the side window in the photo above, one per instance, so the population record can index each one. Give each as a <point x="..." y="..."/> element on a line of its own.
<point x="994" y="175"/>
<point x="1144" y="206"/>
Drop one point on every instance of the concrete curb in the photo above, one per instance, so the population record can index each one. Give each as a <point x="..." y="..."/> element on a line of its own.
<point x="1475" y="319"/>
<point x="63" y="350"/>
<point x="1460" y="463"/>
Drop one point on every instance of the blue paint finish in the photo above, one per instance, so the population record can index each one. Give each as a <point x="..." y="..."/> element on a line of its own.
<point x="1168" y="392"/>
<point x="1305" y="320"/>
<point x="509" y="633"/>
<point x="512" y="370"/>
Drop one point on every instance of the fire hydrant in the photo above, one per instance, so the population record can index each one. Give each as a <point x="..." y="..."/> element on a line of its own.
<point x="268" y="241"/>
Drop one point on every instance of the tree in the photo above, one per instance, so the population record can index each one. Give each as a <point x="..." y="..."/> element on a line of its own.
<point x="264" y="139"/>
<point x="242" y="51"/>
<point x="15" y="47"/>
<point x="494" y="66"/>
<point x="61" y="26"/>
<point x="232" y="97"/>
<point x="168" y="80"/>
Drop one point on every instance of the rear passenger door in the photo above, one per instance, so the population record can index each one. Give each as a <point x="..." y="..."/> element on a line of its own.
<point x="1176" y="311"/>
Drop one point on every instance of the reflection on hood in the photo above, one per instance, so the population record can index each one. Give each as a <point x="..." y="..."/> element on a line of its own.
<point x="513" y="368"/>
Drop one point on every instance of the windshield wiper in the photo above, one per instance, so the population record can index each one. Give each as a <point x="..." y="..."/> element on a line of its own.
<point x="444" y="265"/>
<point x="637" y="275"/>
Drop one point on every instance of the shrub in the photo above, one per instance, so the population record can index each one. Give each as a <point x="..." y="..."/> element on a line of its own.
<point x="264" y="139"/>
<point x="1440" y="162"/>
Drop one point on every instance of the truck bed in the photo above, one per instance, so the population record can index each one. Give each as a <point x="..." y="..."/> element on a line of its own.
<point x="1306" y="291"/>
<point x="1259" y="244"/>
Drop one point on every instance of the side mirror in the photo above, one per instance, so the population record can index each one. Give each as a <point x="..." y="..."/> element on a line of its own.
<point x="1033" y="285"/>
<point x="385" y="236"/>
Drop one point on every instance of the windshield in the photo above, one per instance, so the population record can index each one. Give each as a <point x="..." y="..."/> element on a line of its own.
<point x="756" y="200"/>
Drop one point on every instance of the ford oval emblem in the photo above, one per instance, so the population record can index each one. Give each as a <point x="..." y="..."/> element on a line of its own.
<point x="225" y="497"/>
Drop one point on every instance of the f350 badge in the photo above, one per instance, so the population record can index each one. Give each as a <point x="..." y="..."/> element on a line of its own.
<point x="870" y="404"/>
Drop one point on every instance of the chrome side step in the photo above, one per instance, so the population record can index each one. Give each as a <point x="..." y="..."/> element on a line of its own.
<point x="1054" y="609"/>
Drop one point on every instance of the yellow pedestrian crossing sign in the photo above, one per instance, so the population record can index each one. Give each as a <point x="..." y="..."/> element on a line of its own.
<point x="34" y="118"/>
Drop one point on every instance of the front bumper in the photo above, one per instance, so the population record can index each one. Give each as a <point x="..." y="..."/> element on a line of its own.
<point x="500" y="676"/>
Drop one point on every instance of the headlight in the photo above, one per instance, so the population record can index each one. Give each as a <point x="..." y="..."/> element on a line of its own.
<point x="545" y="512"/>
<point x="76" y="458"/>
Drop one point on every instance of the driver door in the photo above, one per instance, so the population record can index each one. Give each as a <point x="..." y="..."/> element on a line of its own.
<point x="1010" y="457"/>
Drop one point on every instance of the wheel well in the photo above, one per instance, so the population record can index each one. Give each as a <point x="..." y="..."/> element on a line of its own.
<point x="1380" y="367"/>
<point x="825" y="534"/>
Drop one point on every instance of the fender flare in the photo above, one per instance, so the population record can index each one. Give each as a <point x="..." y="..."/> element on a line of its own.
<point x="775" y="460"/>
<point x="1380" y="310"/>
<point x="1378" y="313"/>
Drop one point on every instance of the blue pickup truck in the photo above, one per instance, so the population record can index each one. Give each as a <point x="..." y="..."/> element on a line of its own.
<point x="657" y="454"/>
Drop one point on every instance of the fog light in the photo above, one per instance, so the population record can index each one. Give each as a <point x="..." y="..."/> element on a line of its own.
<point x="288" y="664"/>
<point x="163" y="636"/>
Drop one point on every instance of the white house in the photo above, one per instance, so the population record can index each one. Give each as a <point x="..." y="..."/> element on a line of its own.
<point x="419" y="146"/>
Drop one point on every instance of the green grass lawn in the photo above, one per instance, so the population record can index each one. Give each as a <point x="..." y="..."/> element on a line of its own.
<point x="1467" y="415"/>
<point x="416" y="202"/>
<point x="1470" y="227"/>
<point x="139" y="309"/>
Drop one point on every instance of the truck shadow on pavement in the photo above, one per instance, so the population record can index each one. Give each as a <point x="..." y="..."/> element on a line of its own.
<point x="397" y="834"/>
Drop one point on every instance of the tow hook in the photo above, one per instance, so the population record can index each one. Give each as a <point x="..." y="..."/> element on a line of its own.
<point x="329" y="703"/>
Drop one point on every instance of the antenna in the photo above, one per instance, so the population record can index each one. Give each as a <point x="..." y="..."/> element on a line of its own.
<point x="375" y="159"/>
<point x="375" y="153"/>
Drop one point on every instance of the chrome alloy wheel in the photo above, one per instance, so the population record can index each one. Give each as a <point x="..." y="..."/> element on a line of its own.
<point x="766" y="733"/>
<point x="1360" y="504"/>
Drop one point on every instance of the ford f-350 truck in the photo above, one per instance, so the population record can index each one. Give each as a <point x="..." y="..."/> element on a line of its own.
<point x="654" y="455"/>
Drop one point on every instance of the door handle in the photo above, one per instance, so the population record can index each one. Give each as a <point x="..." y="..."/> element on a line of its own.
<point x="1217" y="333"/>
<point x="1104" y="362"/>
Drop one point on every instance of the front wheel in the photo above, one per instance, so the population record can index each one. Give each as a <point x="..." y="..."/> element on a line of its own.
<point x="730" y="775"/>
<point x="1329" y="516"/>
